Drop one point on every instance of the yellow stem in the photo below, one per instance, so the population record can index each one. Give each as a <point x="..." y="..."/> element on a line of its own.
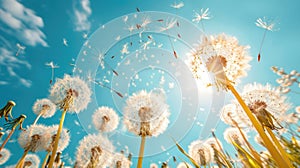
<point x="53" y="154"/>
<point x="268" y="143"/>
<point x="7" y="138"/>
<point x="141" y="154"/>
<point x="279" y="147"/>
<point x="21" y="161"/>
<point x="45" y="160"/>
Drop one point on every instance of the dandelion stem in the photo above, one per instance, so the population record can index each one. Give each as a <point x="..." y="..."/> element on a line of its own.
<point x="53" y="154"/>
<point x="37" y="118"/>
<point x="21" y="161"/>
<point x="279" y="147"/>
<point x="268" y="143"/>
<point x="141" y="153"/>
<point x="45" y="160"/>
<point x="7" y="138"/>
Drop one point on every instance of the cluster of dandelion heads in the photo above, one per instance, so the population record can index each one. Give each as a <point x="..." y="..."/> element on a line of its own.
<point x="201" y="152"/>
<point x="34" y="138"/>
<point x="71" y="94"/>
<point x="105" y="119"/>
<point x="120" y="161"/>
<point x="233" y="135"/>
<point x="94" y="149"/>
<point x="4" y="156"/>
<point x="147" y="113"/>
<point x="223" y="56"/>
<point x="263" y="98"/>
<point x="64" y="138"/>
<point x="44" y="107"/>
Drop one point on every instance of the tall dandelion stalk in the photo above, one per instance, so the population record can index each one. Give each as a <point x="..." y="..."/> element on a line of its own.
<point x="228" y="61"/>
<point x="146" y="114"/>
<point x="12" y="125"/>
<point x="70" y="94"/>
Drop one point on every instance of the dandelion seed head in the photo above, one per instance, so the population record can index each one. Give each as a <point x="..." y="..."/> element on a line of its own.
<point x="105" y="119"/>
<point x="86" y="148"/>
<point x="34" y="138"/>
<point x="64" y="138"/>
<point x="44" y="107"/>
<point x="214" y="143"/>
<point x="263" y="97"/>
<point x="4" y="156"/>
<point x="233" y="135"/>
<point x="265" y="24"/>
<point x="149" y="110"/>
<point x="120" y="161"/>
<point x="201" y="152"/>
<point x="71" y="94"/>
<point x="33" y="159"/>
<point x="223" y="56"/>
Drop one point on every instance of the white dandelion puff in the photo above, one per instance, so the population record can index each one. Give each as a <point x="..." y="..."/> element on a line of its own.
<point x="64" y="138"/>
<point x="43" y="108"/>
<point x="4" y="156"/>
<point x="120" y="161"/>
<point x="203" y="15"/>
<point x="34" y="138"/>
<point x="94" y="150"/>
<point x="201" y="152"/>
<point x="146" y="113"/>
<point x="223" y="56"/>
<point x="233" y="135"/>
<point x="32" y="161"/>
<point x="105" y="119"/>
<point x="71" y="94"/>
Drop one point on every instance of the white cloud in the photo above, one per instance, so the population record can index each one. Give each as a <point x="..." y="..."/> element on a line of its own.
<point x="82" y="12"/>
<point x="25" y="23"/>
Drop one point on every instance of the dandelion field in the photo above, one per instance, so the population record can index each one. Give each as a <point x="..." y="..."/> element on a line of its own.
<point x="149" y="84"/>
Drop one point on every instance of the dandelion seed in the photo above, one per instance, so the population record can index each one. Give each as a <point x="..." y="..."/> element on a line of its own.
<point x="223" y="57"/>
<point x="169" y="25"/>
<point x="4" y="156"/>
<point x="105" y="119"/>
<point x="202" y="153"/>
<point x="85" y="35"/>
<point x="7" y="110"/>
<point x="20" y="48"/>
<point x="94" y="151"/>
<point x="52" y="66"/>
<point x="43" y="108"/>
<point x="203" y="15"/>
<point x="125" y="49"/>
<point x="268" y="26"/>
<point x="65" y="42"/>
<point x="177" y="6"/>
<point x="120" y="161"/>
<point x="111" y="89"/>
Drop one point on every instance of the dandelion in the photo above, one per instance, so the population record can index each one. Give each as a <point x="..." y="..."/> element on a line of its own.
<point x="12" y="125"/>
<point x="201" y="152"/>
<point x="203" y="15"/>
<point x="105" y="119"/>
<point x="33" y="139"/>
<point x="43" y="108"/>
<point x="70" y="94"/>
<point x="170" y="23"/>
<point x="120" y="161"/>
<point x="216" y="145"/>
<point x="233" y="135"/>
<point x="7" y="110"/>
<point x="184" y="165"/>
<point x="94" y="151"/>
<point x="4" y="156"/>
<point x="146" y="114"/>
<point x="223" y="57"/>
<point x="32" y="161"/>
<point x="268" y="26"/>
<point x="52" y="66"/>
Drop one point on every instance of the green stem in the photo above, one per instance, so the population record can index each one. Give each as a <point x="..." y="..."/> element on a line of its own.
<point x="61" y="123"/>
<point x="141" y="153"/>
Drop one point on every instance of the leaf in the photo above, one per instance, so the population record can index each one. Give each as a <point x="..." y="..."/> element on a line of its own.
<point x="187" y="155"/>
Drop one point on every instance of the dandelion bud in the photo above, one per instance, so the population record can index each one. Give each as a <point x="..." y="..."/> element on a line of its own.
<point x="7" y="110"/>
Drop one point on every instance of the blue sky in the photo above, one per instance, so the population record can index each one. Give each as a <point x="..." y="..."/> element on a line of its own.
<point x="41" y="26"/>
